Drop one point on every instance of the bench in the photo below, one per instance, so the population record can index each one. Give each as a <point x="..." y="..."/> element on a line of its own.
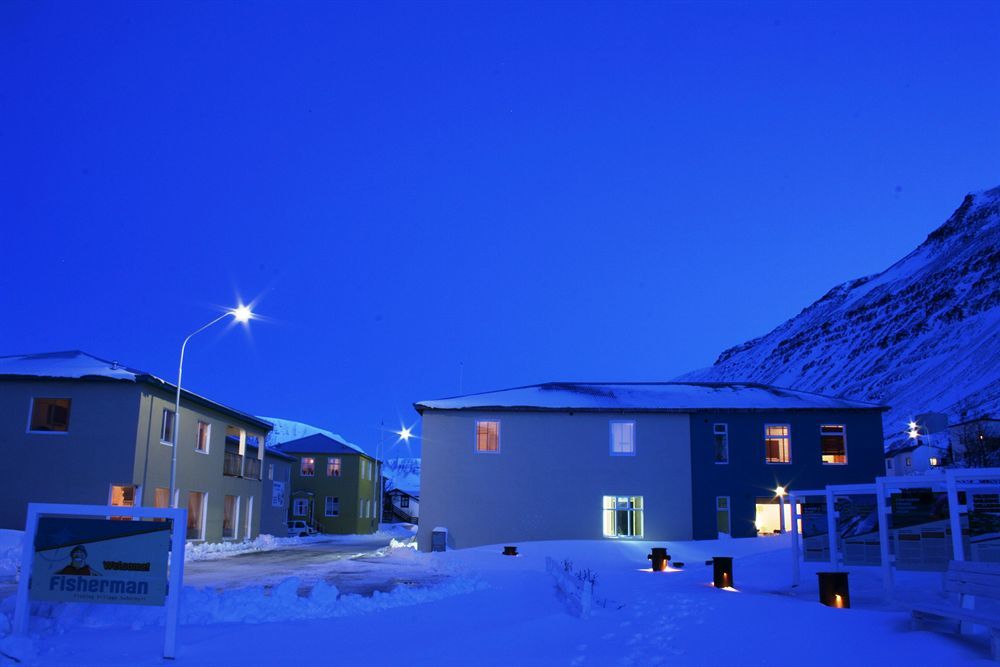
<point x="968" y="580"/>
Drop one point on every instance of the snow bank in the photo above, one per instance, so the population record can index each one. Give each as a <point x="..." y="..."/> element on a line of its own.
<point x="214" y="550"/>
<point x="10" y="552"/>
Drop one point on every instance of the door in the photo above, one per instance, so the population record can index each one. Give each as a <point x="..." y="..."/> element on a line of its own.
<point x="722" y="514"/>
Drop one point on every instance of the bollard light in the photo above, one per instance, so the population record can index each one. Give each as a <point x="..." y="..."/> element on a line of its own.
<point x="722" y="571"/>
<point x="510" y="551"/>
<point x="659" y="558"/>
<point x="834" y="590"/>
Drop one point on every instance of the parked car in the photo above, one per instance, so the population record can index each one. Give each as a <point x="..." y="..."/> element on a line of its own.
<point x="300" y="528"/>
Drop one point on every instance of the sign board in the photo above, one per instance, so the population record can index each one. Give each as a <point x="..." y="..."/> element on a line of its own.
<point x="857" y="528"/>
<point x="100" y="561"/>
<point x="277" y="494"/>
<point x="815" y="539"/>
<point x="920" y="529"/>
<point x="984" y="526"/>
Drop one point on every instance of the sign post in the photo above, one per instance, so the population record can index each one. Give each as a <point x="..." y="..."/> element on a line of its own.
<point x="86" y="553"/>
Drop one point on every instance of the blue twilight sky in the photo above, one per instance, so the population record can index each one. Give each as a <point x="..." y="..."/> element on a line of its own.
<point x="526" y="191"/>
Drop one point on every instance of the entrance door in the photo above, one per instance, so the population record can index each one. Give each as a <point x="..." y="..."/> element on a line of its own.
<point x="722" y="514"/>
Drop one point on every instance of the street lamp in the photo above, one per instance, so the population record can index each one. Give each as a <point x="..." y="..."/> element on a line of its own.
<point x="241" y="314"/>
<point x="780" y="492"/>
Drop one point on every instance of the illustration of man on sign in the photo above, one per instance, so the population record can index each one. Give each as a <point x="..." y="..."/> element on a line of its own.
<point x="78" y="563"/>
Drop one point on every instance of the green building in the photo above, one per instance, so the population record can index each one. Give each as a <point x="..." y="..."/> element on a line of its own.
<point x="334" y="485"/>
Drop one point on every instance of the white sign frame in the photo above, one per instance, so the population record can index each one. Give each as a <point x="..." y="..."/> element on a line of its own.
<point x="175" y="579"/>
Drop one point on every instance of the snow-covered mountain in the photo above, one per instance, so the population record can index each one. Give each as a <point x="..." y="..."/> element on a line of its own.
<point x="403" y="473"/>
<point x="286" y="430"/>
<point x="923" y="335"/>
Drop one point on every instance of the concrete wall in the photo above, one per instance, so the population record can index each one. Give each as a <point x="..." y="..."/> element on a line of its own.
<point x="747" y="476"/>
<point x="274" y="518"/>
<point x="73" y="467"/>
<point x="196" y="471"/>
<point x="550" y="476"/>
<point x="349" y="487"/>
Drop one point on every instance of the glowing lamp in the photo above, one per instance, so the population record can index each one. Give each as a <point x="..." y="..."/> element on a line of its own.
<point x="510" y="551"/>
<point x="722" y="571"/>
<point x="779" y="491"/>
<point x="242" y="314"/>
<point x="405" y="434"/>
<point x="833" y="590"/>
<point x="659" y="558"/>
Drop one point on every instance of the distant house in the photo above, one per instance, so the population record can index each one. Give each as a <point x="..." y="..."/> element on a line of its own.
<point x="925" y="448"/>
<point x="277" y="485"/>
<point x="78" y="429"/>
<point x="976" y="442"/>
<point x="334" y="485"/>
<point x="402" y="505"/>
<point x="653" y="461"/>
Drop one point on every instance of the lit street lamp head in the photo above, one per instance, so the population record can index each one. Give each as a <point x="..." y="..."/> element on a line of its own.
<point x="242" y="314"/>
<point x="780" y="491"/>
<point x="405" y="434"/>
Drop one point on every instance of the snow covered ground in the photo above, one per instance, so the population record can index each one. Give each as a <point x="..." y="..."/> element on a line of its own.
<point x="489" y="609"/>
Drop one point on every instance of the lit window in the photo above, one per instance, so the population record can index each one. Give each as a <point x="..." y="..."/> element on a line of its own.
<point x="230" y="514"/>
<point x="167" y="427"/>
<point x="204" y="433"/>
<point x="332" y="506"/>
<point x="300" y="507"/>
<point x="122" y="495"/>
<point x="404" y="501"/>
<point x="720" y="436"/>
<point x="777" y="443"/>
<point x="623" y="438"/>
<point x="307" y="466"/>
<point x="488" y="436"/>
<point x="622" y="516"/>
<point x="161" y="497"/>
<point x="333" y="467"/>
<point x="934" y="461"/>
<point x="833" y="441"/>
<point x="49" y="415"/>
<point x="196" y="515"/>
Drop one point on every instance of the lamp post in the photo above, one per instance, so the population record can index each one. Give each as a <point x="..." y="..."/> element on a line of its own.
<point x="242" y="315"/>
<point x="780" y="492"/>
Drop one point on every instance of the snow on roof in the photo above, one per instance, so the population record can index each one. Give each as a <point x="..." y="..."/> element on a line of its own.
<point x="646" y="396"/>
<point x="77" y="365"/>
<point x="317" y="443"/>
<point x="287" y="430"/>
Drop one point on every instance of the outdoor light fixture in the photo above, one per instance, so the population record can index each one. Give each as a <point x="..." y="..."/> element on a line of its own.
<point x="833" y="589"/>
<point x="722" y="571"/>
<point x="659" y="558"/>
<point x="405" y="433"/>
<point x="241" y="314"/>
<point x="779" y="491"/>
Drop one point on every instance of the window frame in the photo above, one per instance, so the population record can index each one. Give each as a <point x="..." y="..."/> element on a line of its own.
<point x="843" y="435"/>
<point x="787" y="438"/>
<point x="202" y="515"/>
<point x="611" y="437"/>
<point x="31" y="414"/>
<point x="236" y="517"/>
<point x="633" y="511"/>
<point x="208" y="437"/>
<point x="163" y="427"/>
<point x="336" y="505"/>
<point x="302" y="462"/>
<point x="305" y="505"/>
<point x="725" y="433"/>
<point x="475" y="435"/>
<point x="339" y="466"/>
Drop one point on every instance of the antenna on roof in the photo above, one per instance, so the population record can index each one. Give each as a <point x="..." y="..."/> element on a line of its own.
<point x="461" y="369"/>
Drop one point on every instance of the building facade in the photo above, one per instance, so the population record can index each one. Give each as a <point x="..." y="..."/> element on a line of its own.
<point x="82" y="430"/>
<point x="661" y="461"/>
<point x="401" y="505"/>
<point x="334" y="486"/>
<point x="277" y="492"/>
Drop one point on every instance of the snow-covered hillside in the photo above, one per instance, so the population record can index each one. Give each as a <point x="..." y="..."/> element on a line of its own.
<point x="923" y="335"/>
<point x="286" y="430"/>
<point x="403" y="473"/>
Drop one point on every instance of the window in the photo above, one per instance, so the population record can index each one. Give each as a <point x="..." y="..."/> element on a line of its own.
<point x="253" y="441"/>
<point x="777" y="443"/>
<point x="623" y="438"/>
<point x="232" y="439"/>
<point x="888" y="464"/>
<point x="720" y="435"/>
<point x="204" y="432"/>
<point x="909" y="461"/>
<point x="49" y="415"/>
<point x="161" y="497"/>
<point x="249" y="525"/>
<point x="488" y="436"/>
<point x="722" y="516"/>
<point x="332" y="506"/>
<point x="333" y="467"/>
<point x="196" y="515"/>
<point x="230" y="516"/>
<point x="934" y="461"/>
<point x="270" y="471"/>
<point x="167" y="427"/>
<point x="622" y="516"/>
<point x="833" y="441"/>
<point x="404" y="501"/>
<point x="368" y="508"/>
<point x="122" y="495"/>
<point x="307" y="466"/>
<point x="300" y="507"/>
<point x="277" y="494"/>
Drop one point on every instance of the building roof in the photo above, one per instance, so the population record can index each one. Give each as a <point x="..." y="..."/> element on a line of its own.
<point x="318" y="443"/>
<point x="413" y="493"/>
<point x="271" y="451"/>
<point x="646" y="397"/>
<point x="77" y="365"/>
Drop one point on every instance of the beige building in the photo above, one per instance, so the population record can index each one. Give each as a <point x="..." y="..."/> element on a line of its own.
<point x="78" y="429"/>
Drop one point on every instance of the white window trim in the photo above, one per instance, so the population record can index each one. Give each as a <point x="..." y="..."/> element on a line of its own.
<point x="776" y="463"/>
<point x="728" y="510"/>
<point x="163" y="421"/>
<point x="236" y="518"/>
<point x="642" y="535"/>
<point x="326" y="506"/>
<point x="305" y="504"/>
<point x="340" y="469"/>
<point x="249" y="524"/>
<point x="208" y="438"/>
<point x="475" y="436"/>
<point x="31" y="409"/>
<point x="726" y="433"/>
<point x="846" y="457"/>
<point x="611" y="437"/>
